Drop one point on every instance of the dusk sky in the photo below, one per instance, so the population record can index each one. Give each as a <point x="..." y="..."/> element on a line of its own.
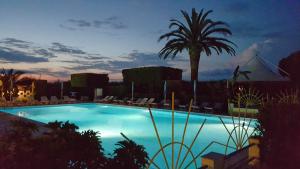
<point x="54" y="38"/>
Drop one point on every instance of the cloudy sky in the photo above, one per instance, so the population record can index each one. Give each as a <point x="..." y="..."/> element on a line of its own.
<point x="53" y="38"/>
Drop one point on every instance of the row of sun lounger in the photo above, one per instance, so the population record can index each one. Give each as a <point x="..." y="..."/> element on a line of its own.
<point x="126" y="100"/>
<point x="55" y="100"/>
<point x="203" y="107"/>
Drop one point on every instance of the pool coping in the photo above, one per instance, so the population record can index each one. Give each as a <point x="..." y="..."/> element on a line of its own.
<point x="136" y="107"/>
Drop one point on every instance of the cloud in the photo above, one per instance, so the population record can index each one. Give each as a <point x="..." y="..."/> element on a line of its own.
<point x="13" y="56"/>
<point x="50" y="72"/>
<point x="45" y="52"/>
<point x="16" y="43"/>
<point x="80" y="22"/>
<point x="61" y="48"/>
<point x="258" y="48"/>
<point x="113" y="22"/>
<point x="67" y="27"/>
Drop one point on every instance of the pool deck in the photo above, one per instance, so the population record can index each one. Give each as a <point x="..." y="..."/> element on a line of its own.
<point x="6" y="118"/>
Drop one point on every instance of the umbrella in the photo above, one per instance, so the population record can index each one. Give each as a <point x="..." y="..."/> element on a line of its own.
<point x="132" y="90"/>
<point x="195" y="93"/>
<point x="165" y="91"/>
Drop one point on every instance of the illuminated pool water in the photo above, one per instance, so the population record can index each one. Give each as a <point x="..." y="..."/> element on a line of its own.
<point x="136" y="124"/>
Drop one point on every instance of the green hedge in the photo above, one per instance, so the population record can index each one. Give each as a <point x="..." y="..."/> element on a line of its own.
<point x="91" y="80"/>
<point x="149" y="79"/>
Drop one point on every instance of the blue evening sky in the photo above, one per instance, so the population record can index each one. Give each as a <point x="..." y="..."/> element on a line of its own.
<point x="54" y="38"/>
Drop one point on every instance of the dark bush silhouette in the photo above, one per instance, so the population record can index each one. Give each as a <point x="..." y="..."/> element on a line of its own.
<point x="291" y="65"/>
<point x="129" y="155"/>
<point x="279" y="127"/>
<point x="62" y="147"/>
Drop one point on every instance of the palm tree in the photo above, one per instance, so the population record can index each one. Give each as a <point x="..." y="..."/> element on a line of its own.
<point x="9" y="79"/>
<point x="196" y="36"/>
<point x="128" y="154"/>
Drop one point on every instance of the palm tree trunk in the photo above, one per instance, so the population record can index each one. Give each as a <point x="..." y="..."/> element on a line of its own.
<point x="194" y="63"/>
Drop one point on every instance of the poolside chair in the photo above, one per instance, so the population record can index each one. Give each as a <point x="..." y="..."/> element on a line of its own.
<point x="99" y="99"/>
<point x="84" y="98"/>
<point x="115" y="100"/>
<point x="111" y="98"/>
<point x="205" y="106"/>
<point x="166" y="103"/>
<point x="67" y="99"/>
<point x="54" y="100"/>
<point x="182" y="106"/>
<point x="136" y="101"/>
<point x="105" y="98"/>
<point x="196" y="107"/>
<point x="124" y="100"/>
<point x="32" y="101"/>
<point x="44" y="100"/>
<point x="142" y="102"/>
<point x="150" y="102"/>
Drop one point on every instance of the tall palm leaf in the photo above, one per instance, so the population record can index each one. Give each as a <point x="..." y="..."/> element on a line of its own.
<point x="197" y="35"/>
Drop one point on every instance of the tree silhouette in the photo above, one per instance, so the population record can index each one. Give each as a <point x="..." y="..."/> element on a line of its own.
<point x="198" y="35"/>
<point x="290" y="67"/>
<point x="128" y="154"/>
<point x="9" y="79"/>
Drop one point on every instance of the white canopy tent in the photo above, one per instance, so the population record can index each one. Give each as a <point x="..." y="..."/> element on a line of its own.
<point x="261" y="70"/>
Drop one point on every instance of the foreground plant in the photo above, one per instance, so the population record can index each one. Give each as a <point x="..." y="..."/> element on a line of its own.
<point x="61" y="146"/>
<point x="280" y="142"/>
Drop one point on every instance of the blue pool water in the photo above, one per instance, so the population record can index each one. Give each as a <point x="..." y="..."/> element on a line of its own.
<point x="136" y="124"/>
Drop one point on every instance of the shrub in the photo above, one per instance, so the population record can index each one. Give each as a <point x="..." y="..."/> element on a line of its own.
<point x="62" y="147"/>
<point x="279" y="125"/>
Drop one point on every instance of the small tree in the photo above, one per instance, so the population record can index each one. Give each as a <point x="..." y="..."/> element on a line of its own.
<point x="9" y="79"/>
<point x="290" y="67"/>
<point x="128" y="154"/>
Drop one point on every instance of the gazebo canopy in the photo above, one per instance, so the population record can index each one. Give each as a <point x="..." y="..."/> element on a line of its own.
<point x="260" y="70"/>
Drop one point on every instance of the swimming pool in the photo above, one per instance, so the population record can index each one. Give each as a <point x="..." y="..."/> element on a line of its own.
<point x="135" y="123"/>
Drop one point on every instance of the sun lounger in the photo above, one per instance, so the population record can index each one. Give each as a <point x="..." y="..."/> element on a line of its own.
<point x="165" y="103"/>
<point x="97" y="99"/>
<point x="67" y="99"/>
<point x="124" y="100"/>
<point x="131" y="102"/>
<point x="196" y="107"/>
<point x="84" y="98"/>
<point x="107" y="98"/>
<point x="150" y="102"/>
<point x="111" y="98"/>
<point x="182" y="106"/>
<point x="115" y="100"/>
<point x="205" y="106"/>
<point x="142" y="102"/>
<point x="54" y="100"/>
<point x="44" y="100"/>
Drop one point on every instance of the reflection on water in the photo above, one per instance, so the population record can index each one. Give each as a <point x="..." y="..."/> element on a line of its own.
<point x="135" y="123"/>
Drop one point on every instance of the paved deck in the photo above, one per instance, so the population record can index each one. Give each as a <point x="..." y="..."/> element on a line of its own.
<point x="6" y="118"/>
